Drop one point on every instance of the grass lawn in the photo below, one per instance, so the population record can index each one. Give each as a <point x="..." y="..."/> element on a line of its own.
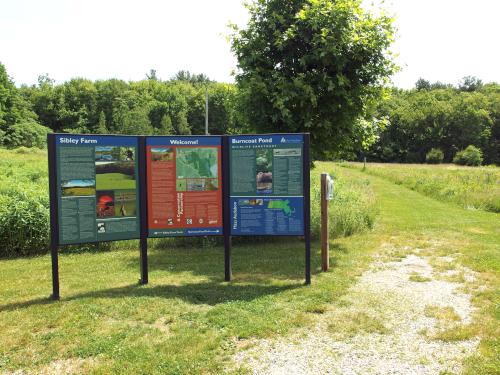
<point x="111" y="181"/>
<point x="187" y="320"/>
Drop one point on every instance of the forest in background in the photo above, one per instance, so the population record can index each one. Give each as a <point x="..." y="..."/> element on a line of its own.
<point x="406" y="124"/>
<point x="438" y="116"/>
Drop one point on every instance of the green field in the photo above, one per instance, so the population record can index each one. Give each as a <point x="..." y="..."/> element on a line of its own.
<point x="112" y="181"/>
<point x="72" y="191"/>
<point x="469" y="187"/>
<point x="187" y="320"/>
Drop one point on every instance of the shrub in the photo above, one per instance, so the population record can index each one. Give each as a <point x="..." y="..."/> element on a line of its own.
<point x="352" y="209"/>
<point x="470" y="156"/>
<point x="24" y="223"/>
<point x="27" y="134"/>
<point x="434" y="156"/>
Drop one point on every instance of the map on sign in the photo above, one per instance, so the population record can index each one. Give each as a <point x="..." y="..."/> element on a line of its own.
<point x="283" y="205"/>
<point x="196" y="162"/>
<point x="266" y="184"/>
<point x="184" y="186"/>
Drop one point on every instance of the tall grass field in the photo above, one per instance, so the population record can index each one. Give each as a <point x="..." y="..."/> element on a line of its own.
<point x="24" y="204"/>
<point x="469" y="187"/>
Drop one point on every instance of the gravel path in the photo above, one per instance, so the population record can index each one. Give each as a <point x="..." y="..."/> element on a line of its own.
<point x="383" y="327"/>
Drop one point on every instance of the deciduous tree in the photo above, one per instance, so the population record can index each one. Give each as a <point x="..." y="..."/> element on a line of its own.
<point x="312" y="66"/>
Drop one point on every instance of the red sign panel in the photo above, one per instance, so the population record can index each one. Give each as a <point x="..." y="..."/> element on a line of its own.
<point x="184" y="185"/>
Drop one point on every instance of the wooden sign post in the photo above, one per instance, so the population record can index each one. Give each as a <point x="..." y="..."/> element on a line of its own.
<point x="325" y="247"/>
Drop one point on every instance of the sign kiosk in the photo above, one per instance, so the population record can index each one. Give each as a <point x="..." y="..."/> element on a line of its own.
<point x="268" y="188"/>
<point x="113" y="187"/>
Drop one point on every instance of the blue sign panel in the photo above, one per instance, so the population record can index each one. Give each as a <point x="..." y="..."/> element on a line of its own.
<point x="267" y="216"/>
<point x="266" y="184"/>
<point x="97" y="188"/>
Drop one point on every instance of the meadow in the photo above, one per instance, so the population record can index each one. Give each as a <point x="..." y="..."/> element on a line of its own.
<point x="468" y="187"/>
<point x="111" y="181"/>
<point x="73" y="191"/>
<point x="188" y="320"/>
<point x="24" y="226"/>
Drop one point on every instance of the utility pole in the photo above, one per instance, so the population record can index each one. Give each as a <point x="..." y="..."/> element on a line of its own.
<point x="206" y="110"/>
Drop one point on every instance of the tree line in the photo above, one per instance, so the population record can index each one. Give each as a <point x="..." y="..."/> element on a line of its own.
<point x="405" y="127"/>
<point x="320" y="66"/>
<point x="150" y="106"/>
<point x="441" y="117"/>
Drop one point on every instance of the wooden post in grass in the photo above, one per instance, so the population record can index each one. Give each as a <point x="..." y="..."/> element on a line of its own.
<point x="325" y="248"/>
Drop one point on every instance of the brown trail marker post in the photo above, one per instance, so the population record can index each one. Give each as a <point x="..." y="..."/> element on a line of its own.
<point x="326" y="196"/>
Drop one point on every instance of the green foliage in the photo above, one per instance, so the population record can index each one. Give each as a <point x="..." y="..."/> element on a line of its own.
<point x="24" y="223"/>
<point x="24" y="206"/>
<point x="444" y="118"/>
<point x="313" y="66"/>
<point x="471" y="156"/>
<point x="14" y="110"/>
<point x="166" y="127"/>
<point x="24" y="203"/>
<point x="186" y="76"/>
<point x="101" y="125"/>
<point x="470" y="84"/>
<point x="117" y="107"/>
<point x="422" y="84"/>
<point x="181" y="124"/>
<point x="27" y="134"/>
<point x="434" y="156"/>
<point x="352" y="207"/>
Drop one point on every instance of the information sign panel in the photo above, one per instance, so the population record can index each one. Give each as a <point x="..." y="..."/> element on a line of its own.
<point x="97" y="188"/>
<point x="266" y="184"/>
<point x="184" y="184"/>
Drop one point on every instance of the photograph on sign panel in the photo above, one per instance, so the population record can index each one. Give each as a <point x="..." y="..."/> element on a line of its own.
<point x="201" y="184"/>
<point x="264" y="171"/>
<point x="105" y="203"/>
<point x="125" y="203"/>
<point x="287" y="152"/>
<point x="162" y="154"/>
<point x="105" y="154"/>
<point x="115" y="175"/>
<point x="252" y="202"/>
<point x="197" y="162"/>
<point x="71" y="188"/>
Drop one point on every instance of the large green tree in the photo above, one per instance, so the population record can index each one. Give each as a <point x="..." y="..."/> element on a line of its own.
<point x="313" y="66"/>
<point x="18" y="126"/>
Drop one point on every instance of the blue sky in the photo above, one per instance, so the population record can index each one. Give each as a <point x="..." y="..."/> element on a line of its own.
<point x="437" y="39"/>
<point x="78" y="183"/>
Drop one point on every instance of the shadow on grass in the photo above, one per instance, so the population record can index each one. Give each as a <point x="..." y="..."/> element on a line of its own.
<point x="260" y="262"/>
<point x="208" y="293"/>
<point x="255" y="269"/>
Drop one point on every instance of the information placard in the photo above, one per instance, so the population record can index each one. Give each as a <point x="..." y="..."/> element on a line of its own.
<point x="184" y="184"/>
<point x="97" y="188"/>
<point x="266" y="184"/>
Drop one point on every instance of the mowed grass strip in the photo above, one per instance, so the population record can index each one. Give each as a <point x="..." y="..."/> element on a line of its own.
<point x="469" y="187"/>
